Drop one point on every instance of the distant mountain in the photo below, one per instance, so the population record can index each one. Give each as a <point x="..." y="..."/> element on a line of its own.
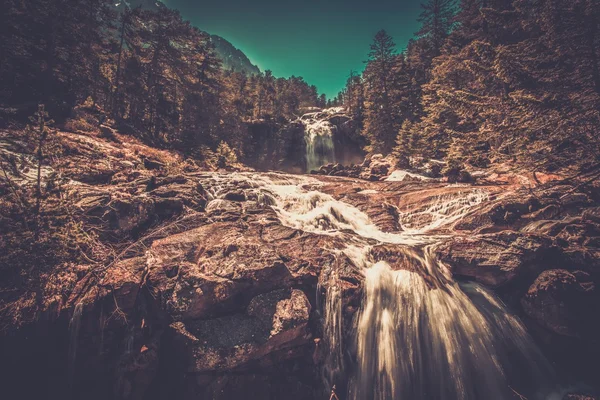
<point x="146" y="4"/>
<point x="232" y="57"/>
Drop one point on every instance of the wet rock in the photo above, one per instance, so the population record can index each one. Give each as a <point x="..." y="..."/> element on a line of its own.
<point x="474" y="222"/>
<point x="272" y="321"/>
<point x="235" y="196"/>
<point x="563" y="302"/>
<point x="496" y="259"/>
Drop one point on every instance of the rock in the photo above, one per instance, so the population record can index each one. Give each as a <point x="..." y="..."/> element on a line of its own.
<point x="563" y="302"/>
<point x="551" y="211"/>
<point x="496" y="259"/>
<point x="579" y="233"/>
<point x="380" y="166"/>
<point x="591" y="214"/>
<point x="152" y="163"/>
<point x="235" y="196"/>
<point x="137" y="369"/>
<point x="129" y="214"/>
<point x="511" y="209"/>
<point x="474" y="222"/>
<point x="272" y="321"/>
<point x="221" y="264"/>
<point x="574" y="199"/>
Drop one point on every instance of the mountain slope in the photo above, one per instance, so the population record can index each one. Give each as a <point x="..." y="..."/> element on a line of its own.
<point x="232" y="57"/>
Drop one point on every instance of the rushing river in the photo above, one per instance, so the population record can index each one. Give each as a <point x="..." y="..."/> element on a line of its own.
<point x="419" y="334"/>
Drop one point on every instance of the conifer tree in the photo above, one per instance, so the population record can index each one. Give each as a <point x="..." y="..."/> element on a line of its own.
<point x="436" y="19"/>
<point x="379" y="125"/>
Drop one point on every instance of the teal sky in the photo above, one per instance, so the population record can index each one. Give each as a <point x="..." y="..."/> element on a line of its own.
<point x="318" y="40"/>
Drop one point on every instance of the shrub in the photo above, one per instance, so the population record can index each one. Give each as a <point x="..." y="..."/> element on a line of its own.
<point x="226" y="155"/>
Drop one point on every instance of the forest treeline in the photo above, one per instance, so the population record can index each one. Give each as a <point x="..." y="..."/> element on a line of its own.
<point x="483" y="81"/>
<point x="153" y="73"/>
<point x="486" y="81"/>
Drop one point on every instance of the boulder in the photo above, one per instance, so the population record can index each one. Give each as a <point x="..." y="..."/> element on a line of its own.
<point x="271" y="322"/>
<point x="496" y="259"/>
<point x="563" y="302"/>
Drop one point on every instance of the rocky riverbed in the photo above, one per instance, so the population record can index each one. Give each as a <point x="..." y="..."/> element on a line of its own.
<point x="241" y="284"/>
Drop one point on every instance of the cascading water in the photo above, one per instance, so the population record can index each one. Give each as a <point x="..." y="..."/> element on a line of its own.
<point x="333" y="335"/>
<point x="419" y="334"/>
<point x="417" y="342"/>
<point x="318" y="138"/>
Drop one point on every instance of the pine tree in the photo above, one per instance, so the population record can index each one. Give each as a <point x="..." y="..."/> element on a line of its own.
<point x="38" y="136"/>
<point x="379" y="125"/>
<point x="436" y="19"/>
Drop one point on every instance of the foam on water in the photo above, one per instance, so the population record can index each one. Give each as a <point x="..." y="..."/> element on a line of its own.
<point x="419" y="334"/>
<point x="318" y="137"/>
<point x="421" y="342"/>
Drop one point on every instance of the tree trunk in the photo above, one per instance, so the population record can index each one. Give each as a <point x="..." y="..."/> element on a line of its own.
<point x="115" y="102"/>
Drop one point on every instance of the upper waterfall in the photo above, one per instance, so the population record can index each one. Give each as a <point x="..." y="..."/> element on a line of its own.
<point x="318" y="136"/>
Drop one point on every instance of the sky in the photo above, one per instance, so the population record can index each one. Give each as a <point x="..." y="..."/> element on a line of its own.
<point x="318" y="40"/>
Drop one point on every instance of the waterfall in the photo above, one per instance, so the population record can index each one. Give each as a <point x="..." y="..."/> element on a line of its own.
<point x="332" y="331"/>
<point x="318" y="137"/>
<point x="418" y="334"/>
<point x="418" y="338"/>
<point x="418" y="341"/>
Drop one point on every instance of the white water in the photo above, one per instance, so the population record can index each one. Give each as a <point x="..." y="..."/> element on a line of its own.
<point x="419" y="334"/>
<point x="400" y="175"/>
<point x="318" y="136"/>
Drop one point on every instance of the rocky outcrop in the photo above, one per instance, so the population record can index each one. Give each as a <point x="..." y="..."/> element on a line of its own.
<point x="497" y="259"/>
<point x="271" y="322"/>
<point x="564" y="302"/>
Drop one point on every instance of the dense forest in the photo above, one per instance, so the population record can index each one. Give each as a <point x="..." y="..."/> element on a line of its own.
<point x="483" y="81"/>
<point x="153" y="73"/>
<point x="489" y="81"/>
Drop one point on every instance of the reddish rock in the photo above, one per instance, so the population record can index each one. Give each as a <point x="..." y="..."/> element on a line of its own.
<point x="495" y="259"/>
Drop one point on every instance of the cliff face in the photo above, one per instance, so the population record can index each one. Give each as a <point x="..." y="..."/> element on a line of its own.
<point x="218" y="284"/>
